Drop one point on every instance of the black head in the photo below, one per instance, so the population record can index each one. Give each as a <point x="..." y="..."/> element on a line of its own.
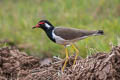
<point x="44" y="24"/>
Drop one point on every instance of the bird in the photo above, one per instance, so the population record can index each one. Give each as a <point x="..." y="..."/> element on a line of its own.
<point x="66" y="36"/>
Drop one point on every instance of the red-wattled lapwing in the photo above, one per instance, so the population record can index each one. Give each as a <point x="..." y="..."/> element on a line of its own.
<point x="65" y="36"/>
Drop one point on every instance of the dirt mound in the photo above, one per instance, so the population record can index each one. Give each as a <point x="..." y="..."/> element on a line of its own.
<point x="16" y="65"/>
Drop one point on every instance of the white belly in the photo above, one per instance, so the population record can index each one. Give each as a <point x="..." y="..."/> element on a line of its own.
<point x="62" y="41"/>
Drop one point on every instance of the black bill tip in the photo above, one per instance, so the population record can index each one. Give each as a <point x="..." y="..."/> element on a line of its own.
<point x="33" y="27"/>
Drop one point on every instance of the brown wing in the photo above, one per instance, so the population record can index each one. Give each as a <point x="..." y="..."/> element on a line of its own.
<point x="71" y="33"/>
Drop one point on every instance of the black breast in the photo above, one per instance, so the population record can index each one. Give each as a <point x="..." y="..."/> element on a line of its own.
<point x="49" y="34"/>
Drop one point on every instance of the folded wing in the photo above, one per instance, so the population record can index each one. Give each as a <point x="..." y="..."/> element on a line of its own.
<point x="71" y="33"/>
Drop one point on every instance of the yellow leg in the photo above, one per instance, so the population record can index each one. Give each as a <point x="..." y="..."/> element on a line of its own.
<point x="66" y="52"/>
<point x="76" y="51"/>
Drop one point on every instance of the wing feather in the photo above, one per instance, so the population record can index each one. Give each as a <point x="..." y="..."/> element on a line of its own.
<point x="71" y="33"/>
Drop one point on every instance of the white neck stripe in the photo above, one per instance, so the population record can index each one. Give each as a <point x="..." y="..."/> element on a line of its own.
<point x="47" y="25"/>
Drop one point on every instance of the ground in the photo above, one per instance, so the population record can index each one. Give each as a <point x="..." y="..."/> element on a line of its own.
<point x="16" y="65"/>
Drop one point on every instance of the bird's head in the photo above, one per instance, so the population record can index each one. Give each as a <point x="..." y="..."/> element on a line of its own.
<point x="44" y="24"/>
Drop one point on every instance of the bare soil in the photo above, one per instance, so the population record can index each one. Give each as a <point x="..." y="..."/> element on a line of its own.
<point x="16" y="65"/>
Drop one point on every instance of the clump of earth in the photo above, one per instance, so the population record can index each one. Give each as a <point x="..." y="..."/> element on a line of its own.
<point x="16" y="65"/>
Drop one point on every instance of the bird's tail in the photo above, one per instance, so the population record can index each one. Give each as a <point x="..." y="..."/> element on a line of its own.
<point x="100" y="32"/>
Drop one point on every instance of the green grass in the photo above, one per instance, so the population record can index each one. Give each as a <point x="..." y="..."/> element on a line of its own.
<point x="18" y="16"/>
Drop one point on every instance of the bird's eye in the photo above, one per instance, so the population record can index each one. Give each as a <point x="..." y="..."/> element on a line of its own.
<point x="41" y="22"/>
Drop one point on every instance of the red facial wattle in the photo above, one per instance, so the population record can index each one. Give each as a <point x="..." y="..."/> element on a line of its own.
<point x="38" y="25"/>
<point x="41" y="23"/>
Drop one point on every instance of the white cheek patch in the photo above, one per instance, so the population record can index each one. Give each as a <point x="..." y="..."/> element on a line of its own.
<point x="47" y="25"/>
